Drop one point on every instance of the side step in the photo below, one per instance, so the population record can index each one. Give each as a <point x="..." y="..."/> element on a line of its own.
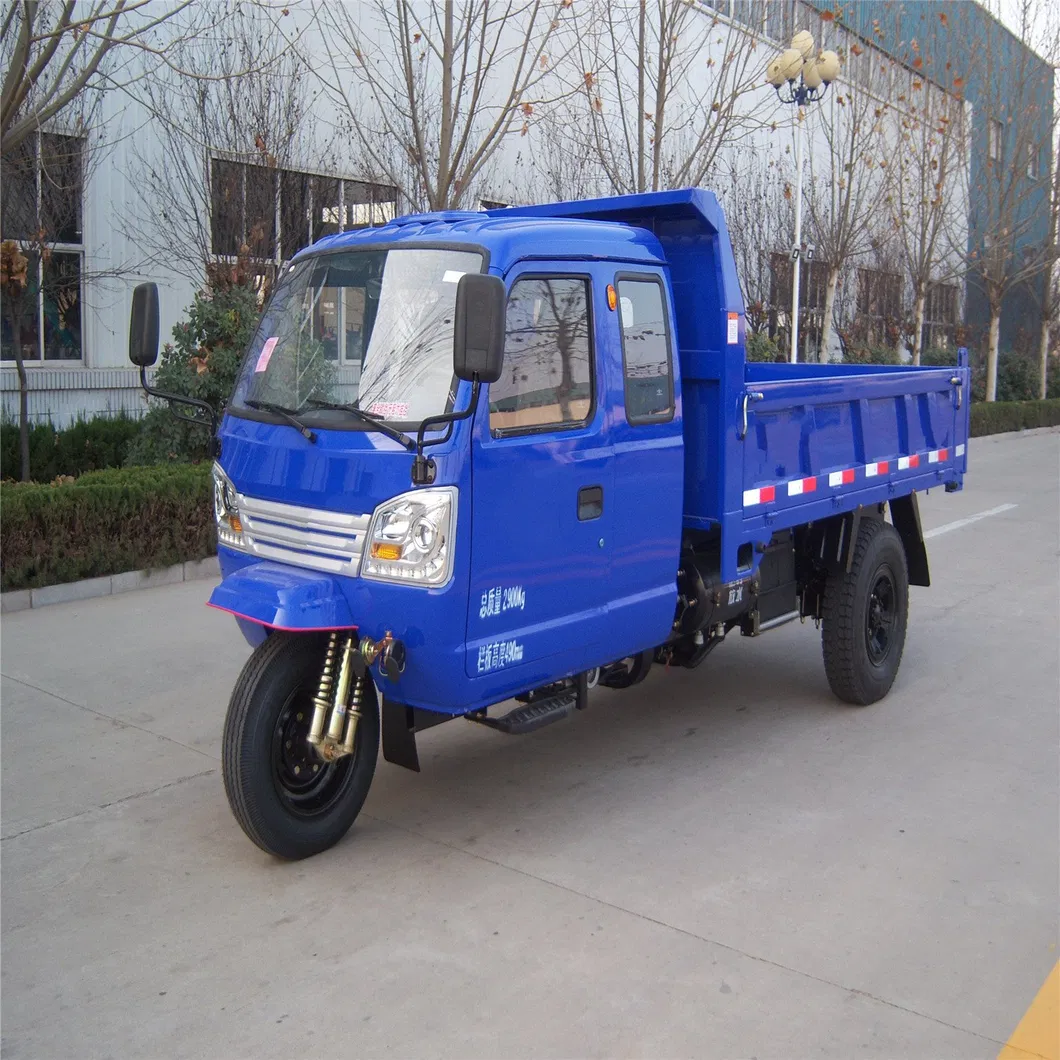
<point x="532" y="716"/>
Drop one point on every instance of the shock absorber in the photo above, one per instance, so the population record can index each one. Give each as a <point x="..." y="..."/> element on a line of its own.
<point x="336" y="722"/>
<point x="322" y="700"/>
<point x="353" y="714"/>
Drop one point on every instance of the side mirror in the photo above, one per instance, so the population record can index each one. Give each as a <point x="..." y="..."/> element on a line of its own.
<point x="478" y="340"/>
<point x="143" y="325"/>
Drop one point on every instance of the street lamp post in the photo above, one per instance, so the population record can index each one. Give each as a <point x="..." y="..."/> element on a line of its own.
<point x="799" y="80"/>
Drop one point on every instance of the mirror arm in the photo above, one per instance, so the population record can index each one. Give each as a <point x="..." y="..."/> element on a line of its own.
<point x="423" y="468"/>
<point x="181" y="399"/>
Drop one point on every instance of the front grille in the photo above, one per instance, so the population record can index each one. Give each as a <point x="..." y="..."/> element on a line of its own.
<point x="304" y="537"/>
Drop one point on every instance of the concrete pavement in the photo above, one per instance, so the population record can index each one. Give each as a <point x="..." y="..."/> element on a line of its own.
<point x="718" y="863"/>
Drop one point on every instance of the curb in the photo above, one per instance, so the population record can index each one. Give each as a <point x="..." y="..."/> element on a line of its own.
<point x="111" y="585"/>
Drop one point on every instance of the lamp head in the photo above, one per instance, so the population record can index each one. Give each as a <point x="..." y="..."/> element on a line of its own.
<point x="811" y="75"/>
<point x="791" y="61"/>
<point x="802" y="42"/>
<point x="828" y="66"/>
<point x="775" y="72"/>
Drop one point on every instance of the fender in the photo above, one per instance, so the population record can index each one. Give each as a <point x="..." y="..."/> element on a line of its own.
<point x="276" y="596"/>
<point x="905" y="515"/>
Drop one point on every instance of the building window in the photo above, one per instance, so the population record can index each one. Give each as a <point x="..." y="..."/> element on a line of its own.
<point x="43" y="188"/>
<point x="879" y="303"/>
<point x="548" y="378"/>
<point x="994" y="133"/>
<point x="940" y="316"/>
<point x="649" y="391"/>
<point x="1032" y="161"/>
<point x="274" y="213"/>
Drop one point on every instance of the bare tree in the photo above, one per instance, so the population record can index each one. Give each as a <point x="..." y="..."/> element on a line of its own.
<point x="230" y="125"/>
<point x="1012" y="252"/>
<point x="927" y="190"/>
<point x="846" y="186"/>
<point x="667" y="86"/>
<point x="432" y="92"/>
<point x="758" y="210"/>
<point x="54" y="52"/>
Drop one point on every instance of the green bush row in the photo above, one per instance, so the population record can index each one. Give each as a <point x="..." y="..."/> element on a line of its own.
<point x="105" y="522"/>
<point x="88" y="445"/>
<point x="998" y="416"/>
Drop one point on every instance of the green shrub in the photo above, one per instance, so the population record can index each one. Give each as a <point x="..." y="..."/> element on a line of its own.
<point x="760" y="347"/>
<point x="202" y="362"/>
<point x="871" y="355"/>
<point x="995" y="417"/>
<point x="105" y="522"/>
<point x="87" y="445"/>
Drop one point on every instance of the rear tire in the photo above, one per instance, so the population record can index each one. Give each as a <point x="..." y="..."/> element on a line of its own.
<point x="865" y="616"/>
<point x="289" y="801"/>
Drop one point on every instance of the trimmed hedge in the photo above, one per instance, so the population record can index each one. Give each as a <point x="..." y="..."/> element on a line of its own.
<point x="105" y="522"/>
<point x="996" y="417"/>
<point x="88" y="445"/>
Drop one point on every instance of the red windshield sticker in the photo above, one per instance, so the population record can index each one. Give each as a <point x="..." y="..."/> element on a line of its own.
<point x="266" y="353"/>
<point x="389" y="410"/>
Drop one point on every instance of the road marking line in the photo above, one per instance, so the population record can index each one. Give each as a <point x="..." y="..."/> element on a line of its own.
<point x="947" y="527"/>
<point x="1038" y="1033"/>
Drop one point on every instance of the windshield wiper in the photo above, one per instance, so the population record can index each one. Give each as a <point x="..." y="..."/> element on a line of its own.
<point x="290" y="415"/>
<point x="364" y="417"/>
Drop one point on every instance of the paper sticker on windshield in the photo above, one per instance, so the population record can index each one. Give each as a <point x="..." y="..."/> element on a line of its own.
<point x="733" y="335"/>
<point x="389" y="410"/>
<point x="452" y="276"/>
<point x="266" y="353"/>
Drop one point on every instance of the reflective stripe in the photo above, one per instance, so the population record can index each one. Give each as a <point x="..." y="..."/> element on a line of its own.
<point x="763" y="495"/>
<point x="801" y="485"/>
<point x="879" y="468"/>
<point x="841" y="478"/>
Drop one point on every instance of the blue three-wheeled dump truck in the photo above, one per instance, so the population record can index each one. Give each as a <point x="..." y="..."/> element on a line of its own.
<point x="475" y="458"/>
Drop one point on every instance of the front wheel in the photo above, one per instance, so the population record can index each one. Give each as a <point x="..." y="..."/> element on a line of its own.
<point x="287" y="799"/>
<point x="865" y="615"/>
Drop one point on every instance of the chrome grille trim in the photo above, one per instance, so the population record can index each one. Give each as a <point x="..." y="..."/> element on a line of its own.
<point x="304" y="537"/>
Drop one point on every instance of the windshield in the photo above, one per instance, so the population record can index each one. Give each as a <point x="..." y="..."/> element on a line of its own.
<point x="371" y="328"/>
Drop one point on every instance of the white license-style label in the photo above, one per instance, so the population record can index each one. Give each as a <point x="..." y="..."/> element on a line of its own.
<point x="733" y="334"/>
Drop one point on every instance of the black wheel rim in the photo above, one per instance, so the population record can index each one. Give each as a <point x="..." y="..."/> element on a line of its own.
<point x="881" y="616"/>
<point x="307" y="785"/>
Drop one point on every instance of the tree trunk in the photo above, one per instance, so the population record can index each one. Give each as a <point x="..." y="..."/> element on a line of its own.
<point x="918" y="328"/>
<point x="1043" y="358"/>
<point x="991" y="354"/>
<point x="829" y="306"/>
<point x="23" y="407"/>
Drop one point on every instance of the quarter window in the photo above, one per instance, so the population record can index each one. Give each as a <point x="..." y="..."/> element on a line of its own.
<point x="547" y="379"/>
<point x="646" y="356"/>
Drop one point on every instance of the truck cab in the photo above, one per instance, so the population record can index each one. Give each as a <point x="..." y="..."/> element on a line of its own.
<point x="477" y="457"/>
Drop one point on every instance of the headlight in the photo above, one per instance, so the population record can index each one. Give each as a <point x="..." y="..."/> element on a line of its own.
<point x="411" y="538"/>
<point x="226" y="511"/>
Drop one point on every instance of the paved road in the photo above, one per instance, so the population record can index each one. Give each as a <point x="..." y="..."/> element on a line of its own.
<point x="720" y="863"/>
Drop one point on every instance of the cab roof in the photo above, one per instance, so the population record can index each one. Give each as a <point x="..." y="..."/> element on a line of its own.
<point x="508" y="236"/>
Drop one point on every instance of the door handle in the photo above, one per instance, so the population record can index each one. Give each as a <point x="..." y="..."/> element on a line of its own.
<point x="590" y="503"/>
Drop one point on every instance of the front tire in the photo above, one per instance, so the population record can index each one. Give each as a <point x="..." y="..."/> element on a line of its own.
<point x="288" y="800"/>
<point x="865" y="616"/>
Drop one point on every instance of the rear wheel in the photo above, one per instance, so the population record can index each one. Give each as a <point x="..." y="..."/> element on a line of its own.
<point x="865" y="616"/>
<point x="287" y="799"/>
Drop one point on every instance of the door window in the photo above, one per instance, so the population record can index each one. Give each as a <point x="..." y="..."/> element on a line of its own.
<point x="547" y="379"/>
<point x="646" y="356"/>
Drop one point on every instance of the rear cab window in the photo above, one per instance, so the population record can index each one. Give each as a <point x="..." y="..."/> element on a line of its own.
<point x="647" y="356"/>
<point x="547" y="379"/>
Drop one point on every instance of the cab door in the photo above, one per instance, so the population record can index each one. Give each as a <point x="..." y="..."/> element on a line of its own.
<point x="542" y="473"/>
<point x="648" y="441"/>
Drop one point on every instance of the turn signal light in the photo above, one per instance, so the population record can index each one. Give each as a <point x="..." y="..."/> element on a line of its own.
<point x="382" y="550"/>
<point x="235" y="524"/>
